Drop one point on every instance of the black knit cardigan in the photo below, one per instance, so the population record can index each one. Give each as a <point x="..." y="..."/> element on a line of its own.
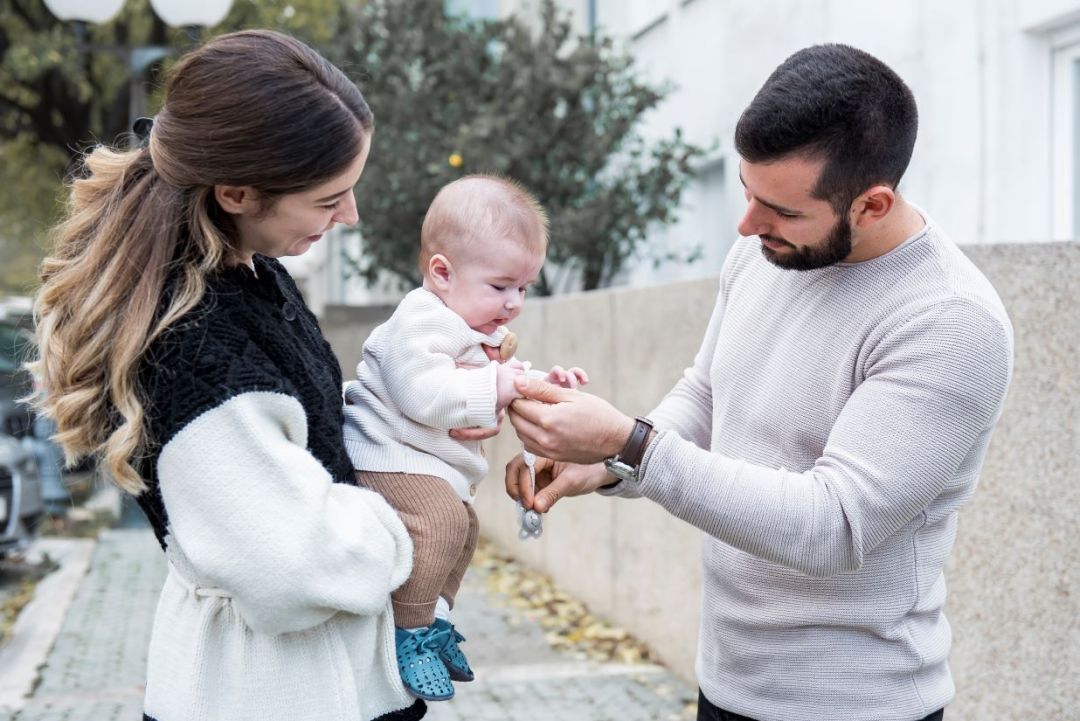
<point x="251" y="331"/>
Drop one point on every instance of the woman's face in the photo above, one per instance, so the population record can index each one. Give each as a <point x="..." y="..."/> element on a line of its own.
<point x="297" y="220"/>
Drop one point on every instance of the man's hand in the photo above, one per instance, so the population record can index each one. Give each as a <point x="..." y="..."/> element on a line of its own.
<point x="553" y="481"/>
<point x="567" y="425"/>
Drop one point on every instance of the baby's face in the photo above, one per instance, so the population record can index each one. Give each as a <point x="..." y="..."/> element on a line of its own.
<point x="489" y="290"/>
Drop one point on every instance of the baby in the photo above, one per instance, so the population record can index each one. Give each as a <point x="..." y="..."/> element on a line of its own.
<point x="430" y="368"/>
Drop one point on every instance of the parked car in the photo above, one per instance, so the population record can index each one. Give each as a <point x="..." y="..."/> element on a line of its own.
<point x="21" y="503"/>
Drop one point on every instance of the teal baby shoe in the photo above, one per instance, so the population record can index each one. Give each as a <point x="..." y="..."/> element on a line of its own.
<point x="451" y="654"/>
<point x="422" y="670"/>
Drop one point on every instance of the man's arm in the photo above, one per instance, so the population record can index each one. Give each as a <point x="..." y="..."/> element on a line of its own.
<point x="933" y="391"/>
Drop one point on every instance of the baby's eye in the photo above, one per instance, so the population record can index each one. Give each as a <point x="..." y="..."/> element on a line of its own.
<point x="499" y="288"/>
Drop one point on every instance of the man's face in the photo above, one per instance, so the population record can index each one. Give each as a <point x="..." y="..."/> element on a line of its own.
<point x="797" y="231"/>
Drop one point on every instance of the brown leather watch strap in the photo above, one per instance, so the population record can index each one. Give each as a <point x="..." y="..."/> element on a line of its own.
<point x="634" y="450"/>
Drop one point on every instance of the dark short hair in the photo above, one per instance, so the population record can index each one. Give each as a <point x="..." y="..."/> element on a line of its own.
<point x="836" y="103"/>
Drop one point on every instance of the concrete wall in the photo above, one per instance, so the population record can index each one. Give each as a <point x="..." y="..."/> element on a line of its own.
<point x="1014" y="578"/>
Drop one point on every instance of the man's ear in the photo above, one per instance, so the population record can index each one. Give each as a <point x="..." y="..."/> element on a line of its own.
<point x="237" y="199"/>
<point x="440" y="271"/>
<point x="872" y="206"/>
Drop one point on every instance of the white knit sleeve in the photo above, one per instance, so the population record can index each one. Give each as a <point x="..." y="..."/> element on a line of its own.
<point x="933" y="391"/>
<point x="420" y="373"/>
<point x="256" y="515"/>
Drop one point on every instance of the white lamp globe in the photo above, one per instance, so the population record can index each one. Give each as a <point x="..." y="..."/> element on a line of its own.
<point x="87" y="11"/>
<point x="185" y="13"/>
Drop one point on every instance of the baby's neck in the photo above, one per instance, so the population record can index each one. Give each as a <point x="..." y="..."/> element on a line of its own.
<point x="430" y="287"/>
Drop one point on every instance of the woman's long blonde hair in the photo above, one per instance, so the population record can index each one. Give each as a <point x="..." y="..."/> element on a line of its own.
<point x="143" y="230"/>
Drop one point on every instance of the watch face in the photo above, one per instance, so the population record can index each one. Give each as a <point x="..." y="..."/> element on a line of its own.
<point x="620" y="470"/>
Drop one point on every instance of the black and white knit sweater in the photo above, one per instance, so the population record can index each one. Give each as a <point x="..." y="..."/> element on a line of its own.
<point x="276" y="605"/>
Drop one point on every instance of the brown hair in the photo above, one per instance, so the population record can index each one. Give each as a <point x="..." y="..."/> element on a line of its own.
<point x="254" y="108"/>
<point x="481" y="207"/>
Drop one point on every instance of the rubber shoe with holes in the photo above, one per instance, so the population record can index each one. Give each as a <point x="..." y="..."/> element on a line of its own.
<point x="451" y="655"/>
<point x="422" y="671"/>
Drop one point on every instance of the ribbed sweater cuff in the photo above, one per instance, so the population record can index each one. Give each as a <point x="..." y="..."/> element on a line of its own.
<point x="482" y="396"/>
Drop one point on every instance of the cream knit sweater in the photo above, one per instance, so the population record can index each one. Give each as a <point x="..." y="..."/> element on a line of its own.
<point x="830" y="428"/>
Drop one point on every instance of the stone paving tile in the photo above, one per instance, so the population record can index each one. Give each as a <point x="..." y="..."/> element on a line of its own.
<point x="97" y="666"/>
<point x="96" y="670"/>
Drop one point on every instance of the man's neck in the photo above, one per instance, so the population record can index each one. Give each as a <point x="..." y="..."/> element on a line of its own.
<point x="888" y="234"/>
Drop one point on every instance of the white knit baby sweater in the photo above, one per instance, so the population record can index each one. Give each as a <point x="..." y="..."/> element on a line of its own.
<point x="831" y="426"/>
<point x="410" y="392"/>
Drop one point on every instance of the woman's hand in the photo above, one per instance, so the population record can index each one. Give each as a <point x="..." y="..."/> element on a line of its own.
<point x="477" y="433"/>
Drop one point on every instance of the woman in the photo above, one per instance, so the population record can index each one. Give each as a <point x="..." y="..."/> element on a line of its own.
<point x="176" y="349"/>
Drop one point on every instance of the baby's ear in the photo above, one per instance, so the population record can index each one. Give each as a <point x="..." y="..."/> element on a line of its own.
<point x="440" y="271"/>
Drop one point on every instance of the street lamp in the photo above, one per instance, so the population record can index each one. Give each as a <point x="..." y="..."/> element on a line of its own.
<point x="187" y="14"/>
<point x="81" y="12"/>
<point x="190" y="14"/>
<point x="178" y="13"/>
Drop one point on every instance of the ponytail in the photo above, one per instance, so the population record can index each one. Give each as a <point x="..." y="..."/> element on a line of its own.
<point x="99" y="308"/>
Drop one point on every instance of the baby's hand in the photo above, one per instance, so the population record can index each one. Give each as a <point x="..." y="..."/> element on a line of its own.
<point x="571" y="378"/>
<point x="505" y="373"/>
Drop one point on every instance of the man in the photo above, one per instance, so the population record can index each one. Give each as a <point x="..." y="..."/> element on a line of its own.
<point x="832" y="424"/>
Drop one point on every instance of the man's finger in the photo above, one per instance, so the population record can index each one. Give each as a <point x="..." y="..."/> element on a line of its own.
<point x="525" y="486"/>
<point x="512" y="478"/>
<point x="547" y="498"/>
<point x="540" y="390"/>
<point x="527" y="430"/>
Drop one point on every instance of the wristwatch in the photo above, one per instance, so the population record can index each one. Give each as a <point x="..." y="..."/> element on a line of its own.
<point x="625" y="465"/>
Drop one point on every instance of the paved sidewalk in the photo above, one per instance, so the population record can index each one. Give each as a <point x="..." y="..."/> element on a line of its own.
<point x="96" y="668"/>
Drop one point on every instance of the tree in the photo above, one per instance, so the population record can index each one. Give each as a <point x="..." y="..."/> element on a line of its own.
<point x="453" y="96"/>
<point x="60" y="94"/>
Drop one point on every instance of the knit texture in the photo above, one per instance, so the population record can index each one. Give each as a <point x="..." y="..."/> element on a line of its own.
<point x="276" y="604"/>
<point x="831" y="426"/>
<point x="251" y="332"/>
<point x="411" y="390"/>
<point x="443" y="530"/>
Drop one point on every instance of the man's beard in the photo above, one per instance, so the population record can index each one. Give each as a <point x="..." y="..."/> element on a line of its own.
<point x="835" y="247"/>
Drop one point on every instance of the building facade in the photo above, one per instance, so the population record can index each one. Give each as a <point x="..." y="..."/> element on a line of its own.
<point x="997" y="83"/>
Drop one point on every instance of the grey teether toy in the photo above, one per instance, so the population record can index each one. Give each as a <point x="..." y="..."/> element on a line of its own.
<point x="532" y="523"/>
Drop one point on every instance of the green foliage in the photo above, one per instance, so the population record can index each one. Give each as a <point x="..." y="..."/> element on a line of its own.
<point x="554" y="112"/>
<point x="60" y="94"/>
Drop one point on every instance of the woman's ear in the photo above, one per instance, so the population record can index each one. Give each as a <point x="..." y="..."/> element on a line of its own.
<point x="237" y="199"/>
<point x="440" y="271"/>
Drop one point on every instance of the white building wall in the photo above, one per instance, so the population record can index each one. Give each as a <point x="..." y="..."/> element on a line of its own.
<point x="981" y="71"/>
<point x="996" y="159"/>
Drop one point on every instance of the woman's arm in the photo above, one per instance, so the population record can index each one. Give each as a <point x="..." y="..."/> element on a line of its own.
<point x="259" y="517"/>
